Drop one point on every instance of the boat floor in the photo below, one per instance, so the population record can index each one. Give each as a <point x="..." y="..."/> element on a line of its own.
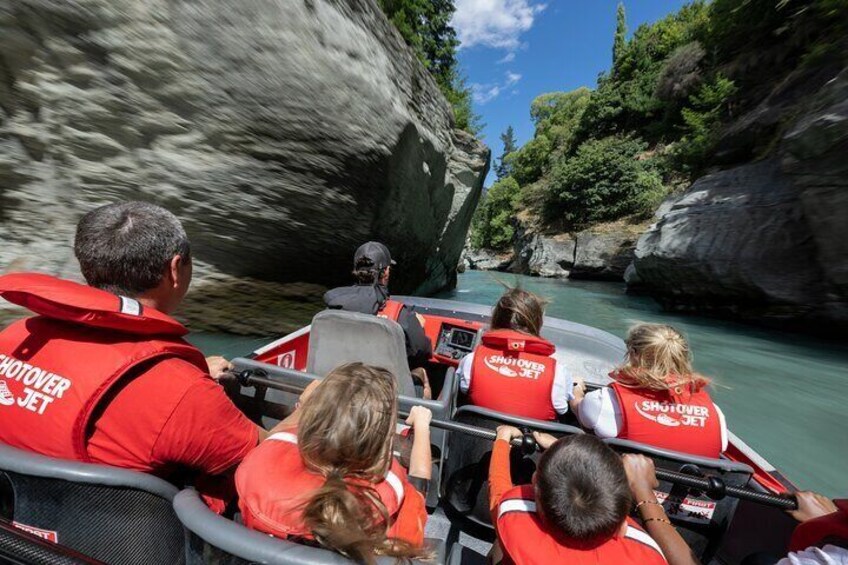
<point x="474" y="549"/>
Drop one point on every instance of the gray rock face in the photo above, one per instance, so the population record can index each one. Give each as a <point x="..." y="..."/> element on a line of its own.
<point x="283" y="133"/>
<point x="541" y="255"/>
<point x="601" y="253"/>
<point x="487" y="260"/>
<point x="766" y="240"/>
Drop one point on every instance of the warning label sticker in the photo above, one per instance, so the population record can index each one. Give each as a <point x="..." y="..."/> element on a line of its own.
<point x="49" y="535"/>
<point x="684" y="508"/>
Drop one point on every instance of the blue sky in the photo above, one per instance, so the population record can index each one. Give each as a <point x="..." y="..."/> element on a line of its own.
<point x="515" y="50"/>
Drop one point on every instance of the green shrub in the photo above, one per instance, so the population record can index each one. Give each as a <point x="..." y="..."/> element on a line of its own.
<point x="604" y="180"/>
<point x="528" y="163"/>
<point x="702" y="121"/>
<point x="680" y="74"/>
<point x="557" y="116"/>
<point x="458" y="95"/>
<point x="492" y="225"/>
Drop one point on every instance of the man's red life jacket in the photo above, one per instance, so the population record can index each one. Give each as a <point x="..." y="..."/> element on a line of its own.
<point x="829" y="529"/>
<point x="680" y="419"/>
<point x="514" y="372"/>
<point x="274" y="484"/>
<point x="390" y="310"/>
<point x="526" y="540"/>
<point x="56" y="367"/>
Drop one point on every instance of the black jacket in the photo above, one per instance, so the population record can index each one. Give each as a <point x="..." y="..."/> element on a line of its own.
<point x="368" y="299"/>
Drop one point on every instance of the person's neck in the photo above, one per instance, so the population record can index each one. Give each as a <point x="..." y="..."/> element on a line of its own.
<point x="155" y="302"/>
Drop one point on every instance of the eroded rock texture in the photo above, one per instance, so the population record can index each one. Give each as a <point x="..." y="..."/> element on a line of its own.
<point x="284" y="133"/>
<point x="768" y="240"/>
<point x="602" y="252"/>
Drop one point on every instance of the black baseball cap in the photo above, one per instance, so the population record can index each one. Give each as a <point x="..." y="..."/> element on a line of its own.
<point x="376" y="252"/>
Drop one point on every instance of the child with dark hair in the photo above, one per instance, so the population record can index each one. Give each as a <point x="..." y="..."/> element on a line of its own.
<point x="576" y="510"/>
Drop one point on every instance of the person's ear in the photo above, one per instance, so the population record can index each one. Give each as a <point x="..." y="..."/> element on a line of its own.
<point x="175" y="271"/>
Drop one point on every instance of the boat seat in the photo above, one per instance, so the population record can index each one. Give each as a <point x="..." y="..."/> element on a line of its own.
<point x="701" y="521"/>
<point x="267" y="406"/>
<point x="95" y="510"/>
<point x="466" y="466"/>
<point x="338" y="337"/>
<point x="214" y="539"/>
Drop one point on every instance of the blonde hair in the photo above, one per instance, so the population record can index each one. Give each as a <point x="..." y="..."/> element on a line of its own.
<point x="519" y="310"/>
<point x="658" y="358"/>
<point x="345" y="432"/>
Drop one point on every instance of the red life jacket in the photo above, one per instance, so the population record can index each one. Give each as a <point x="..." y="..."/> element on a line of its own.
<point x="56" y="367"/>
<point x="514" y="372"/>
<point x="390" y="310"/>
<point x="273" y="484"/>
<point x="680" y="420"/>
<point x="526" y="540"/>
<point x="829" y="529"/>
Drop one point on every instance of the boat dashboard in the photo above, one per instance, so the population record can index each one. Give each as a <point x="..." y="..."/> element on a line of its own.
<point x="452" y="338"/>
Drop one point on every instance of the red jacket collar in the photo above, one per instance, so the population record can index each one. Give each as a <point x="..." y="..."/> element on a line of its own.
<point x="511" y="340"/>
<point x="73" y="302"/>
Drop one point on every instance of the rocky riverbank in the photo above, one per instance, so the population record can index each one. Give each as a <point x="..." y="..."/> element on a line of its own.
<point x="601" y="253"/>
<point x="282" y="134"/>
<point x="766" y="241"/>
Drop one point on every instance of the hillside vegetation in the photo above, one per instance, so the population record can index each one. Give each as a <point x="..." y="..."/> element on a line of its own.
<point x="664" y="112"/>
<point x="425" y="26"/>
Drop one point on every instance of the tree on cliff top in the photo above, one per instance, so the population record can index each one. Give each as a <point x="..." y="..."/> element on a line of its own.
<point x="425" y="26"/>
<point x="502" y="168"/>
<point x="620" y="39"/>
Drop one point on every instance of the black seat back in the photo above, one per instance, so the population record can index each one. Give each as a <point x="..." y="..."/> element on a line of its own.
<point x="214" y="539"/>
<point x="466" y="465"/>
<point x="109" y="514"/>
<point x="701" y="520"/>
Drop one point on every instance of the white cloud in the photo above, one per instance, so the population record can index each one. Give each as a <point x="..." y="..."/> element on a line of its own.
<point x="494" y="23"/>
<point x="484" y="93"/>
<point x="508" y="58"/>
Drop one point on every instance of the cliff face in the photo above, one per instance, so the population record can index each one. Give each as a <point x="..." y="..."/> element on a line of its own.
<point x="283" y="133"/>
<point x="769" y="240"/>
<point x="602" y="252"/>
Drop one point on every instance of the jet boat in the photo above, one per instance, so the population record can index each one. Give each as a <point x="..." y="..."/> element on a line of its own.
<point x="58" y="512"/>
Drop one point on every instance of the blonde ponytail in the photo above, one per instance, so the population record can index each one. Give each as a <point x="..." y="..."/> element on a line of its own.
<point x="658" y="358"/>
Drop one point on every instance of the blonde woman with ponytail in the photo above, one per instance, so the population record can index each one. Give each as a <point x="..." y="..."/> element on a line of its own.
<point x="656" y="397"/>
<point x="333" y="481"/>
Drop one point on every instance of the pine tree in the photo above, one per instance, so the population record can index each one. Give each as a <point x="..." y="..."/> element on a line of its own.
<point x="502" y="168"/>
<point x="620" y="34"/>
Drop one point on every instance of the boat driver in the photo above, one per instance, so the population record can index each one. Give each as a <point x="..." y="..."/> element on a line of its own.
<point x="372" y="266"/>
<point x="101" y="374"/>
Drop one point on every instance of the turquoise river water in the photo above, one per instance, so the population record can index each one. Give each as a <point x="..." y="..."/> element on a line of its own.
<point x="784" y="394"/>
